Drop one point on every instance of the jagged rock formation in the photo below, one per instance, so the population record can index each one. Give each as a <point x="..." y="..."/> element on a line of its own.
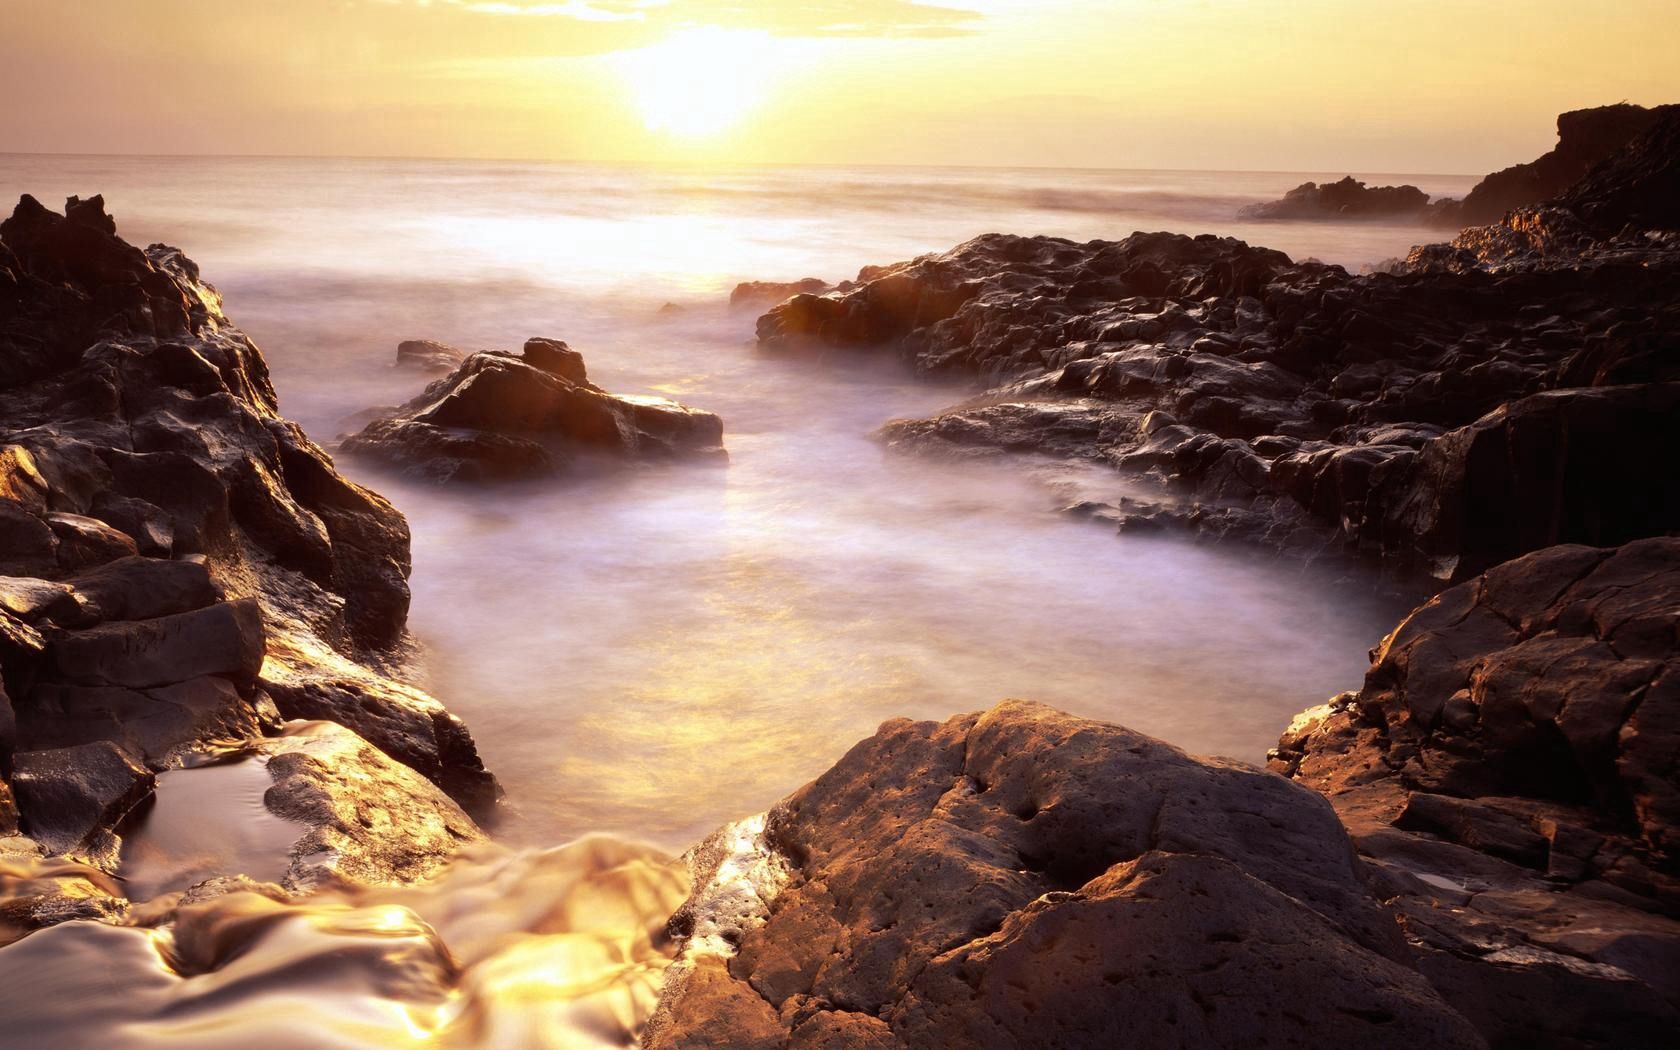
<point x="498" y="417"/>
<point x="1586" y="137"/>
<point x="1510" y="772"/>
<point x="1299" y="406"/>
<point x="1626" y="210"/>
<point x="1346" y="198"/>
<point x="178" y="563"/>
<point x="1023" y="878"/>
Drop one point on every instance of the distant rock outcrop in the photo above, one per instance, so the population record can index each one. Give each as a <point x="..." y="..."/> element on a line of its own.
<point x="499" y="416"/>
<point x="1586" y="137"/>
<point x="1347" y="198"/>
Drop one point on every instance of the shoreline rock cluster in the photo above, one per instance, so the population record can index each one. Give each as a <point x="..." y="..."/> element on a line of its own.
<point x="182" y="569"/>
<point x="1494" y="396"/>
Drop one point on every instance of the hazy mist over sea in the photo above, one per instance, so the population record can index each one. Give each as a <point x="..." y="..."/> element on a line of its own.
<point x="656" y="653"/>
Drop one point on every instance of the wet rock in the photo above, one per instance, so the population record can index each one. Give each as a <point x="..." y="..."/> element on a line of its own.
<point x="70" y="798"/>
<point x="1026" y="878"/>
<point x="1508" y="770"/>
<point x="36" y="892"/>
<point x="403" y="722"/>
<point x="162" y="527"/>
<point x="369" y="819"/>
<point x="1347" y="198"/>
<point x="428" y="355"/>
<point x="499" y="417"/>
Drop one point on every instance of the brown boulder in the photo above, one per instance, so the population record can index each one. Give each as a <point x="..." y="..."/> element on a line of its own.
<point x="500" y="417"/>
<point x="1026" y="878"/>
<point x="1509" y="772"/>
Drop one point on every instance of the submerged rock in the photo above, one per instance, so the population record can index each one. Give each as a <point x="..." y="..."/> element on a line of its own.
<point x="428" y="355"/>
<point x="1347" y="198"/>
<point x="762" y="293"/>
<point x="499" y="417"/>
<point x="1025" y="878"/>
<point x="1509" y="772"/>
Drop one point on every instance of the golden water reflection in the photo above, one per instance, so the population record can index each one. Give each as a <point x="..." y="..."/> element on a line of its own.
<point x="559" y="948"/>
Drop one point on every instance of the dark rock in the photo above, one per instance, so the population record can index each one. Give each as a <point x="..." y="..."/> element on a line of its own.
<point x="498" y="417"/>
<point x="555" y="358"/>
<point x="401" y="721"/>
<point x="1025" y="878"/>
<point x="1508" y="770"/>
<point x="1586" y="137"/>
<point x="143" y="588"/>
<point x="87" y="541"/>
<point x="224" y="639"/>
<point x="1563" y="466"/>
<point x="32" y="600"/>
<point x="71" y="797"/>
<point x="157" y="725"/>
<point x="428" y="355"/>
<point x="1313" y="410"/>
<point x="164" y="526"/>
<point x="1347" y="198"/>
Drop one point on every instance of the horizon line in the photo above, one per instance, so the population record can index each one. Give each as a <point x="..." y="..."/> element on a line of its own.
<point x="710" y="164"/>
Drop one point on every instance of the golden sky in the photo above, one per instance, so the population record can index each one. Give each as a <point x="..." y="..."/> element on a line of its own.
<point x="1356" y="85"/>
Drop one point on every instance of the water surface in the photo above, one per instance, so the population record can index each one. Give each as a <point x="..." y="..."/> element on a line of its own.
<point x="654" y="654"/>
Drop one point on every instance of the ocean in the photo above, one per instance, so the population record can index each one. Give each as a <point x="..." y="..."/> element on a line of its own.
<point x="653" y="654"/>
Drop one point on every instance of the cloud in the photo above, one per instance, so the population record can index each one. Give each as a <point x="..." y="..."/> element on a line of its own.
<point x="811" y="18"/>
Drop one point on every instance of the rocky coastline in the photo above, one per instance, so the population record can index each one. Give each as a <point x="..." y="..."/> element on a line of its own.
<point x="1476" y="848"/>
<point x="1586" y="138"/>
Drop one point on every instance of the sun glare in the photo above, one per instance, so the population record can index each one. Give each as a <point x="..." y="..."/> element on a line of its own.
<point x="699" y="82"/>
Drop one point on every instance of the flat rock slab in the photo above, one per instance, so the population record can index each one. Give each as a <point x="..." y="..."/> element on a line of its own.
<point x="370" y="819"/>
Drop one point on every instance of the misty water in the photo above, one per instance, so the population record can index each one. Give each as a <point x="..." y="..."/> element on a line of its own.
<point x="659" y="652"/>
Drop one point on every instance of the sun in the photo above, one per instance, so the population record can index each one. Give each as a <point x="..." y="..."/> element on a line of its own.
<point x="699" y="82"/>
